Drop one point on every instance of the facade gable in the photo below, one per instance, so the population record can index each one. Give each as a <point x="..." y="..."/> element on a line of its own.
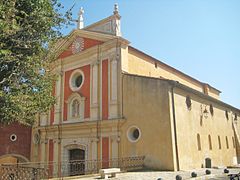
<point x="78" y="45"/>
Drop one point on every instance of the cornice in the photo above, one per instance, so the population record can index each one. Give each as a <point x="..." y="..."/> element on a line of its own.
<point x="64" y="43"/>
<point x="83" y="125"/>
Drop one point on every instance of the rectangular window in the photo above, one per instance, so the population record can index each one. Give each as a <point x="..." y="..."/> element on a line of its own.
<point x="199" y="142"/>
<point x="227" y="143"/>
<point x="219" y="143"/>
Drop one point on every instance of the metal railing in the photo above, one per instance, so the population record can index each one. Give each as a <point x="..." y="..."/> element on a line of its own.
<point x="16" y="172"/>
<point x="35" y="171"/>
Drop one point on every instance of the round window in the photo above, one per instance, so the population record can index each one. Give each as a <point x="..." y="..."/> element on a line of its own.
<point x="13" y="137"/>
<point x="133" y="134"/>
<point x="76" y="80"/>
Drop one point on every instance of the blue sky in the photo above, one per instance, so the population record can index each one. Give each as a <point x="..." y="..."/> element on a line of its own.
<point x="198" y="37"/>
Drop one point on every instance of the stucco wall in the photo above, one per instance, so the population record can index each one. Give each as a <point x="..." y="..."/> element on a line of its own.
<point x="145" y="105"/>
<point x="142" y="65"/>
<point x="191" y="122"/>
<point x="18" y="148"/>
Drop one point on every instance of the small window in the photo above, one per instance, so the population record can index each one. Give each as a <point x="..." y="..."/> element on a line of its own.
<point x="235" y="117"/>
<point x="233" y="140"/>
<point x="156" y="65"/>
<point x="133" y="134"/>
<point x="219" y="143"/>
<point x="226" y="114"/>
<point x="188" y="102"/>
<point x="227" y="143"/>
<point x="211" y="109"/>
<point x="199" y="142"/>
<point x="210" y="142"/>
<point x="13" y="137"/>
<point x="76" y="80"/>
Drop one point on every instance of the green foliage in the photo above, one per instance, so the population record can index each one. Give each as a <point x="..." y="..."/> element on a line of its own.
<point x="27" y="27"/>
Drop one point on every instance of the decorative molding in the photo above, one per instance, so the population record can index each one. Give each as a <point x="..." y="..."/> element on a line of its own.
<point x="131" y="134"/>
<point x="81" y="100"/>
<point x="73" y="77"/>
<point x="77" y="45"/>
<point x="115" y="138"/>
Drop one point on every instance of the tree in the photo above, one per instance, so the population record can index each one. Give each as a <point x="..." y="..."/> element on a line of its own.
<point x="27" y="27"/>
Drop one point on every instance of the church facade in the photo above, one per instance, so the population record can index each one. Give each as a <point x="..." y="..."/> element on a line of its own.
<point x="115" y="101"/>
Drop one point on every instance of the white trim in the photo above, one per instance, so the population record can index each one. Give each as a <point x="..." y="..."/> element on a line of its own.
<point x="62" y="96"/>
<point x="75" y="96"/>
<point x="114" y="77"/>
<point x="72" y="78"/>
<point x="78" y="62"/>
<point x="68" y="146"/>
<point x="130" y="131"/>
<point x="109" y="85"/>
<point x="13" y="136"/>
<point x="94" y="84"/>
<point x="100" y="79"/>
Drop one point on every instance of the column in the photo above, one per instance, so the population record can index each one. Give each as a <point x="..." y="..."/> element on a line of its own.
<point x="94" y="91"/>
<point x="113" y="111"/>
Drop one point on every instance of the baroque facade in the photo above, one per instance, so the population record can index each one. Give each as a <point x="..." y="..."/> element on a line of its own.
<point x="115" y="101"/>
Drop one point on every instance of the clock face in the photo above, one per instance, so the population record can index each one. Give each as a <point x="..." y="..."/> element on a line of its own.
<point x="77" y="45"/>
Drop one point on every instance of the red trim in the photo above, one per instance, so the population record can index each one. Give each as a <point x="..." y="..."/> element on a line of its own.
<point x="105" y="152"/>
<point x="105" y="89"/>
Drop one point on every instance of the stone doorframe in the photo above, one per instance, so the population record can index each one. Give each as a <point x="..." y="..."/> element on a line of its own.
<point x="65" y="157"/>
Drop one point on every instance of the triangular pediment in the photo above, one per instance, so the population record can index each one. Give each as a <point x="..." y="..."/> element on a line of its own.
<point x="79" y="40"/>
<point x="78" y="45"/>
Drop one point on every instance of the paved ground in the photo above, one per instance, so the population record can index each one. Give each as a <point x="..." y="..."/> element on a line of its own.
<point x="165" y="175"/>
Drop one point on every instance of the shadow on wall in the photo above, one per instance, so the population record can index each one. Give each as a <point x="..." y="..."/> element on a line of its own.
<point x="152" y="163"/>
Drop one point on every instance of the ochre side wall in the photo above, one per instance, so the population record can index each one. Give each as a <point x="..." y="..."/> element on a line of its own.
<point x="235" y="116"/>
<point x="192" y="122"/>
<point x="145" y="105"/>
<point x="142" y="65"/>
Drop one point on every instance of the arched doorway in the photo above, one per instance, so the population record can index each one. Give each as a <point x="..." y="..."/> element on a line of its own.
<point x="208" y="163"/>
<point x="77" y="162"/>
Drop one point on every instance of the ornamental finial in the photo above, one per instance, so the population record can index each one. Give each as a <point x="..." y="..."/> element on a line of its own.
<point x="80" y="18"/>
<point x="115" y="8"/>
